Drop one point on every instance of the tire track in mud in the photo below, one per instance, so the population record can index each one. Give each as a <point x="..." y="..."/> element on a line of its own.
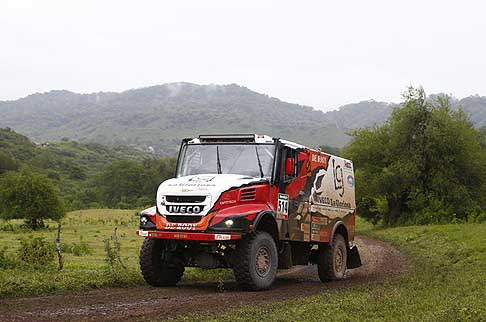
<point x="380" y="261"/>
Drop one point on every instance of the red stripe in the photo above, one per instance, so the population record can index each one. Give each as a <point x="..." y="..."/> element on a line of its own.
<point x="190" y="236"/>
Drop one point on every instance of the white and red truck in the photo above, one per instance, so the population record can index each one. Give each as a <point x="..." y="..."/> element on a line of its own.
<point x="252" y="203"/>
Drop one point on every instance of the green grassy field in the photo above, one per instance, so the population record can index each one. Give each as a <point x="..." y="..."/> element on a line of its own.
<point x="84" y="229"/>
<point x="448" y="283"/>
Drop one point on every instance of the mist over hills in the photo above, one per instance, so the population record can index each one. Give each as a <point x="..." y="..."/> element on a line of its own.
<point x="159" y="116"/>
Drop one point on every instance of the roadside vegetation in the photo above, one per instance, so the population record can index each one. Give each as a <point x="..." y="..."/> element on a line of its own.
<point x="91" y="257"/>
<point x="87" y="175"/>
<point x="447" y="283"/>
<point x="421" y="185"/>
<point x="425" y="165"/>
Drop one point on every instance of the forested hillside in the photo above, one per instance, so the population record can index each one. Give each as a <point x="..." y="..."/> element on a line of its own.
<point x="88" y="174"/>
<point x="159" y="116"/>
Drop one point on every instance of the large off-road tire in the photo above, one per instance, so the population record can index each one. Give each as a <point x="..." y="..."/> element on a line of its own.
<point x="331" y="262"/>
<point x="255" y="261"/>
<point x="159" y="267"/>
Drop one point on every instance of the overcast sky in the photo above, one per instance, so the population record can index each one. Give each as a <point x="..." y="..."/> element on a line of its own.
<point x="318" y="53"/>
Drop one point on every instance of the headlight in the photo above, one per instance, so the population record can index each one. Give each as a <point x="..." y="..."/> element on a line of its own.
<point x="229" y="223"/>
<point x="143" y="220"/>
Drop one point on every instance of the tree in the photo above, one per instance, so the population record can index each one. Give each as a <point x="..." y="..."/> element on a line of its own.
<point x="30" y="196"/>
<point x="425" y="165"/>
<point x="130" y="184"/>
<point x="330" y="149"/>
<point x="7" y="162"/>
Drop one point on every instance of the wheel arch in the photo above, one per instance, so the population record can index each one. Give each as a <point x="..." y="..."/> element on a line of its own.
<point x="340" y="228"/>
<point x="265" y="221"/>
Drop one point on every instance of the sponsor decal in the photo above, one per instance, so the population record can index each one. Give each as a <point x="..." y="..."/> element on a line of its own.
<point x="319" y="158"/>
<point x="320" y="220"/>
<point x="338" y="178"/>
<point x="143" y="233"/>
<point x="283" y="206"/>
<point x="222" y="237"/>
<point x="187" y="184"/>
<point x="181" y="226"/>
<point x="348" y="165"/>
<point x="189" y="209"/>
<point x="227" y="202"/>
<point x="350" y="180"/>
<point x="326" y="201"/>
<point x="202" y="178"/>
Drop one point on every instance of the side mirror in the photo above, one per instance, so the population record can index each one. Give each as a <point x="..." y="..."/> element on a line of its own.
<point x="290" y="167"/>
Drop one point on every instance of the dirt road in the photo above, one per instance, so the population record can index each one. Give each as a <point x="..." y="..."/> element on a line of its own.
<point x="380" y="261"/>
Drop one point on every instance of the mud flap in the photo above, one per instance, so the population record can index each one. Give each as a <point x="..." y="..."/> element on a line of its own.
<point x="285" y="257"/>
<point x="353" y="260"/>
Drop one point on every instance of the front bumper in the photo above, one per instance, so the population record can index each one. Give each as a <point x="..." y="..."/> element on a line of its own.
<point x="187" y="235"/>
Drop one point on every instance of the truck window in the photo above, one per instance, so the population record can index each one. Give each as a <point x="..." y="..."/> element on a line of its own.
<point x="289" y="153"/>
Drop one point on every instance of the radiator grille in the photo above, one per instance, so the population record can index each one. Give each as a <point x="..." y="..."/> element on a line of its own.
<point x="185" y="199"/>
<point x="183" y="218"/>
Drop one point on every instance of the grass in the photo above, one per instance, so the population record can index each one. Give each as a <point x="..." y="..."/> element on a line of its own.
<point x="83" y="234"/>
<point x="448" y="283"/>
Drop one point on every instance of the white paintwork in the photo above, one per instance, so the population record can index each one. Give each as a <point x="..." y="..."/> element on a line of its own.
<point x="292" y="145"/>
<point x="209" y="185"/>
<point x="149" y="211"/>
<point x="259" y="138"/>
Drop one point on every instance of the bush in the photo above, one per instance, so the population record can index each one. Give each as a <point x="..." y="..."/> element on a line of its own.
<point x="427" y="162"/>
<point x="476" y="218"/>
<point x="5" y="260"/>
<point x="30" y="196"/>
<point x="36" y="251"/>
<point x="77" y="249"/>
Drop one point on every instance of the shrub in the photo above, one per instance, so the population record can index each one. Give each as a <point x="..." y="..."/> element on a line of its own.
<point x="5" y="260"/>
<point x="36" y="251"/>
<point x="30" y="196"/>
<point x="77" y="249"/>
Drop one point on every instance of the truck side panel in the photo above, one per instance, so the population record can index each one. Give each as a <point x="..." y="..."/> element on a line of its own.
<point x="322" y="195"/>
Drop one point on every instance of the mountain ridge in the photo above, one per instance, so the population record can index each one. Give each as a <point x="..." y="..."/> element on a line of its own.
<point x="157" y="117"/>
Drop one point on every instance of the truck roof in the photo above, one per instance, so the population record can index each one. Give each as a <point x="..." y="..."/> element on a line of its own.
<point x="246" y="138"/>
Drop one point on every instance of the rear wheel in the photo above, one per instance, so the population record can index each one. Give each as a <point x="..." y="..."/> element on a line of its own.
<point x="160" y="267"/>
<point x="255" y="261"/>
<point x="332" y="257"/>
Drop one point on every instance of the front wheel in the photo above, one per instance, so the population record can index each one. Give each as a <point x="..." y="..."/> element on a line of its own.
<point x="332" y="258"/>
<point x="160" y="267"/>
<point x="255" y="261"/>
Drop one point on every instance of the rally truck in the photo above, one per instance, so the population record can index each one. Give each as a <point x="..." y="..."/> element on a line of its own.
<point x="252" y="203"/>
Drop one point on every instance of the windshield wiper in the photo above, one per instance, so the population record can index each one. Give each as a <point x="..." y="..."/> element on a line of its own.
<point x="259" y="163"/>
<point x="218" y="161"/>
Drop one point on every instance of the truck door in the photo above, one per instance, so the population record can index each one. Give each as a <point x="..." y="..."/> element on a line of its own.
<point x="293" y="205"/>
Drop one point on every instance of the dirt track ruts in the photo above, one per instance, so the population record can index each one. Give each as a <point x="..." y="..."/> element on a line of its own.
<point x="380" y="261"/>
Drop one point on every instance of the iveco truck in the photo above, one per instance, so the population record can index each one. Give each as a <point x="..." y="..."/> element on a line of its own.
<point x="254" y="204"/>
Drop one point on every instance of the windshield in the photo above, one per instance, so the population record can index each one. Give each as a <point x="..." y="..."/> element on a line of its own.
<point x="254" y="160"/>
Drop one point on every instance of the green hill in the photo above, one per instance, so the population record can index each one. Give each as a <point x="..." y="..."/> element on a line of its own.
<point x="160" y="116"/>
<point x="68" y="163"/>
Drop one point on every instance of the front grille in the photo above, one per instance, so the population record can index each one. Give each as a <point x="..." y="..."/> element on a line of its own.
<point x="248" y="194"/>
<point x="185" y="199"/>
<point x="183" y="218"/>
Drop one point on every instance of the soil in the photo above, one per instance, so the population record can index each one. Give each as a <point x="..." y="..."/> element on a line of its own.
<point x="380" y="261"/>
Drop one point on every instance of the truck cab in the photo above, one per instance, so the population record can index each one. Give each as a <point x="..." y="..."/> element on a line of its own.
<point x="252" y="203"/>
